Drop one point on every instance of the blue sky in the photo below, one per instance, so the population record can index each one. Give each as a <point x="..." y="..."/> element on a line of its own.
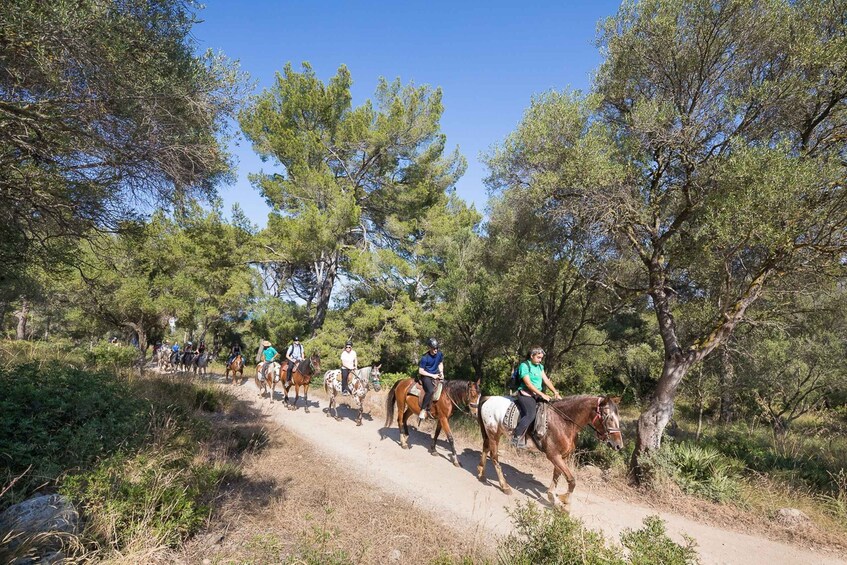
<point x="489" y="58"/>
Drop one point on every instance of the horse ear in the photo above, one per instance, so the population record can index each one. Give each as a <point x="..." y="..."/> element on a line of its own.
<point x="615" y="399"/>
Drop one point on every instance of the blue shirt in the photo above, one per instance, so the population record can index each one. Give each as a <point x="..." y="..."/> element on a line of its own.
<point x="430" y="363"/>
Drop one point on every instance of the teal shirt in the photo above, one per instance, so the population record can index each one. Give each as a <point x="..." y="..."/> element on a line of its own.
<point x="269" y="354"/>
<point x="534" y="371"/>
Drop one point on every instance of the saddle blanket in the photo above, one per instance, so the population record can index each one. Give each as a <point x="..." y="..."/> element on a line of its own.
<point x="417" y="390"/>
<point x="513" y="415"/>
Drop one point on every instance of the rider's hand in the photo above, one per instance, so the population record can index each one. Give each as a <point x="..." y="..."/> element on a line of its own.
<point x="558" y="396"/>
<point x="545" y="397"/>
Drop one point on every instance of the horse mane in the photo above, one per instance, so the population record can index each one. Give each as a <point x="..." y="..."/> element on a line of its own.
<point x="570" y="401"/>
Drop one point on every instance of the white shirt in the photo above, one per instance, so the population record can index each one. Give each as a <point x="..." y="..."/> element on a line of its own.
<point x="349" y="360"/>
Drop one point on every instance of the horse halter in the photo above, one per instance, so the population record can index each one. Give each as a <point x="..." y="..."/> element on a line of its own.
<point x="606" y="429"/>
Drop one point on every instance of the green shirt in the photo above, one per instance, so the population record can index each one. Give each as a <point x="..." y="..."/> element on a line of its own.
<point x="269" y="354"/>
<point x="534" y="371"/>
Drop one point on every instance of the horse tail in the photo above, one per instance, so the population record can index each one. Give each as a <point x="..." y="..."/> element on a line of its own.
<point x="389" y="404"/>
<point x="479" y="419"/>
<point x="326" y="385"/>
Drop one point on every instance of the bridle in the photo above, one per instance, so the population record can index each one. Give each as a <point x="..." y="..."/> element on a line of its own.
<point x="471" y="405"/>
<point x="604" y="436"/>
<point x="606" y="429"/>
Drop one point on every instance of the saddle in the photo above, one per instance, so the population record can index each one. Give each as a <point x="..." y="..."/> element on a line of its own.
<point x="539" y="426"/>
<point x="417" y="390"/>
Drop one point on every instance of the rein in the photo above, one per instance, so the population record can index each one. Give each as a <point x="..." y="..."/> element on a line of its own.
<point x="470" y="404"/>
<point x="597" y="416"/>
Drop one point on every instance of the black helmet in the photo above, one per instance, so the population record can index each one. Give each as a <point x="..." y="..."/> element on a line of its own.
<point x="432" y="343"/>
<point x="350" y="343"/>
<point x="296" y="338"/>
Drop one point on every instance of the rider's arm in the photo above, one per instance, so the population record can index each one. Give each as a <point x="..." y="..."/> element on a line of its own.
<point x="441" y="369"/>
<point x="549" y="384"/>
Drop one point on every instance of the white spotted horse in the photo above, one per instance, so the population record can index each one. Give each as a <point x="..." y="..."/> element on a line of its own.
<point x="360" y="382"/>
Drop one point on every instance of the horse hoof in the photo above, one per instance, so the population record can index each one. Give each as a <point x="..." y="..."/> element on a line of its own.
<point x="507" y="490"/>
<point x="338" y="418"/>
<point x="359" y="423"/>
<point x="456" y="463"/>
<point x="406" y="447"/>
<point x="306" y="410"/>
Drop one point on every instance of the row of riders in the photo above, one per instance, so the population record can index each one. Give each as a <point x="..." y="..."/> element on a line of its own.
<point x="550" y="423"/>
<point x="190" y="357"/>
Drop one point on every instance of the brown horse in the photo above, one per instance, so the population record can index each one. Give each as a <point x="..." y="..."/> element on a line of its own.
<point x="300" y="376"/>
<point x="454" y="394"/>
<point x="565" y="418"/>
<point x="235" y="366"/>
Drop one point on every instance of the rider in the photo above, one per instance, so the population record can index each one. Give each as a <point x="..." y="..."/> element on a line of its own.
<point x="202" y="348"/>
<point x="430" y="369"/>
<point x="270" y="354"/>
<point x="531" y="376"/>
<point x="235" y="352"/>
<point x="349" y="362"/>
<point x="294" y="354"/>
<point x="175" y="347"/>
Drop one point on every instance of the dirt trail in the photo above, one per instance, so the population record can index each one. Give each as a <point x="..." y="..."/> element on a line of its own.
<point x="374" y="454"/>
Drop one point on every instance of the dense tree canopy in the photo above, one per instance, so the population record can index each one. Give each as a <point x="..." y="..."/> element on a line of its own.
<point x="104" y="109"/>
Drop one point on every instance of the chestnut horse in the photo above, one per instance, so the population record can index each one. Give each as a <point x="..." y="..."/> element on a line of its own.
<point x="565" y="418"/>
<point x="454" y="394"/>
<point x="235" y="366"/>
<point x="301" y="376"/>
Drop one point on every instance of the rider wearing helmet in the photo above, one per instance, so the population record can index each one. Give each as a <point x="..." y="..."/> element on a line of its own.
<point x="294" y="354"/>
<point x="349" y="362"/>
<point x="430" y="369"/>
<point x="531" y="379"/>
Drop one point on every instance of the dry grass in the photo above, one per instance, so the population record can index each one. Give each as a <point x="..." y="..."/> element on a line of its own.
<point x="295" y="506"/>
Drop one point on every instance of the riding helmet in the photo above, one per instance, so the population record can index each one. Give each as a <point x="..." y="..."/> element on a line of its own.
<point x="350" y="343"/>
<point x="296" y="338"/>
<point x="432" y="343"/>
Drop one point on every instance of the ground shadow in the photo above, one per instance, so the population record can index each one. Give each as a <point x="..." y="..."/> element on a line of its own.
<point x="347" y="412"/>
<point x="525" y="483"/>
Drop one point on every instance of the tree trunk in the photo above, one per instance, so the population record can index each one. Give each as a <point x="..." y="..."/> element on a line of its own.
<point x="3" y="307"/>
<point x="23" y="317"/>
<point x="658" y="413"/>
<point x="324" y="294"/>
<point x="727" y="386"/>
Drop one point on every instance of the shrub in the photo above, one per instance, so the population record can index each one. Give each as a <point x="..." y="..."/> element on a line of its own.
<point x="62" y="418"/>
<point x="387" y="380"/>
<point x="702" y="471"/>
<point x="544" y="536"/>
<point x="651" y="545"/>
<point x="112" y="358"/>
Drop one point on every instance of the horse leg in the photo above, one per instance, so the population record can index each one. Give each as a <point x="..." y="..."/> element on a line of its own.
<point x="306" y="398"/>
<point x="446" y="426"/>
<point x="403" y="414"/>
<point x="480" y="469"/>
<point x="361" y="403"/>
<point x="435" y="436"/>
<point x="563" y="501"/>
<point x="495" y="458"/>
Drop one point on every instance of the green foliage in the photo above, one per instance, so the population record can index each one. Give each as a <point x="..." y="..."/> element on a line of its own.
<point x="544" y="536"/>
<point x="159" y="494"/>
<point x="651" y="545"/>
<point x="698" y="470"/>
<point x="105" y="105"/>
<point x="60" y="418"/>
<point x="110" y="357"/>
<point x="356" y="181"/>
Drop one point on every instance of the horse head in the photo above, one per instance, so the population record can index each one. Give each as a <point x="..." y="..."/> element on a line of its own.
<point x="607" y="414"/>
<point x="373" y="378"/>
<point x="314" y="363"/>
<point x="474" y="394"/>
